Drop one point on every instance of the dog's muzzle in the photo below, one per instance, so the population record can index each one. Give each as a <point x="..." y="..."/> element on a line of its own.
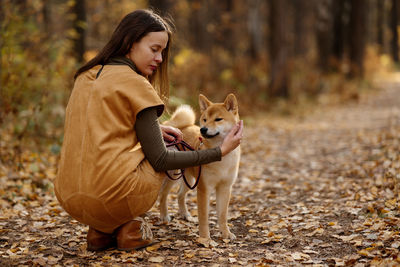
<point x="204" y="130"/>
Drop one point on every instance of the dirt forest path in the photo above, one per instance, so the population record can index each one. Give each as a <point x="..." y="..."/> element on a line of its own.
<point x="322" y="190"/>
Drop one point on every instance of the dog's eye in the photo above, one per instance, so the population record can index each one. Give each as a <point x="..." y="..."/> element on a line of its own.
<point x="218" y="119"/>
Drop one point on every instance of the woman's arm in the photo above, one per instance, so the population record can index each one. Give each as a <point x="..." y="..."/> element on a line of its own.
<point x="150" y="137"/>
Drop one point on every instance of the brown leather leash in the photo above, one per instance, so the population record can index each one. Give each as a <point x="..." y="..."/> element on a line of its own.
<point x="183" y="146"/>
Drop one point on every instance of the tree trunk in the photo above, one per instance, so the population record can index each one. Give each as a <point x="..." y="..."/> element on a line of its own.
<point x="79" y="25"/>
<point x="380" y="4"/>
<point x="393" y="26"/>
<point x="46" y="11"/>
<point x="225" y="31"/>
<point x="254" y="27"/>
<point x="2" y="30"/>
<point x="357" y="38"/>
<point x="47" y="38"/>
<point x="302" y="15"/>
<point x="324" y="33"/>
<point x="340" y="24"/>
<point x="200" y="29"/>
<point x="22" y="5"/>
<point x="279" y="50"/>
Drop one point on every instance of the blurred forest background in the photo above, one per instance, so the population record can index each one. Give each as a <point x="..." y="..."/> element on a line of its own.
<point x="267" y="52"/>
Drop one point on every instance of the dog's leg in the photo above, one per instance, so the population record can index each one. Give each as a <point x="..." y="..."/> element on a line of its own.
<point x="183" y="211"/>
<point x="223" y="194"/>
<point x="203" y="199"/>
<point x="164" y="191"/>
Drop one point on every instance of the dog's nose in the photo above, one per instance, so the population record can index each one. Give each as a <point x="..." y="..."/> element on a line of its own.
<point x="203" y="130"/>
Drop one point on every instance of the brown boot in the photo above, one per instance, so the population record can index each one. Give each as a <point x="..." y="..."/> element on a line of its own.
<point x="97" y="240"/>
<point x="134" y="234"/>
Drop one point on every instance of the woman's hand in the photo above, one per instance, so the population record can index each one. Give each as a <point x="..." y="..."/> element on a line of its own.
<point x="171" y="134"/>
<point x="232" y="140"/>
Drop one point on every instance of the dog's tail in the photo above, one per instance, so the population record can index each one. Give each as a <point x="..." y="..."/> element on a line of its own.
<point x="182" y="117"/>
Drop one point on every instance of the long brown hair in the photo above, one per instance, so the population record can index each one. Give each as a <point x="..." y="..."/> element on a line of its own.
<point x="132" y="28"/>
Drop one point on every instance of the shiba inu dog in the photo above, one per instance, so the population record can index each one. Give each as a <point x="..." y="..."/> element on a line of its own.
<point x="216" y="121"/>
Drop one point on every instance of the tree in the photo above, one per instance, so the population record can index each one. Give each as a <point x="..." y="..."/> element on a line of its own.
<point x="303" y="18"/>
<point x="224" y="34"/>
<point x="79" y="25"/>
<point x="324" y="33"/>
<point x="341" y="14"/>
<point x="1" y="58"/>
<point x="393" y="25"/>
<point x="199" y="26"/>
<point x="279" y="49"/>
<point x="380" y="23"/>
<point x="254" y="29"/>
<point x="357" y="37"/>
<point x="46" y="12"/>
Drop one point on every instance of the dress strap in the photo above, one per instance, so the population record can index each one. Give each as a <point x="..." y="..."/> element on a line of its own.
<point x="98" y="73"/>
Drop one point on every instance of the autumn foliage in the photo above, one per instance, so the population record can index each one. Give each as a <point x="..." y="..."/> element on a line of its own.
<point x="319" y="175"/>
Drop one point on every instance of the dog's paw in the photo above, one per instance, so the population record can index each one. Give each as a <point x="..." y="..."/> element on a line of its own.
<point x="206" y="242"/>
<point x="228" y="235"/>
<point x="187" y="217"/>
<point x="165" y="219"/>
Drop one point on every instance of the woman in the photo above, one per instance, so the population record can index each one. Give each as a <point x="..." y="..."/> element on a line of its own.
<point x="114" y="107"/>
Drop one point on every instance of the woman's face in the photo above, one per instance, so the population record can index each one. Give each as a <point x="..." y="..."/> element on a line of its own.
<point x="146" y="54"/>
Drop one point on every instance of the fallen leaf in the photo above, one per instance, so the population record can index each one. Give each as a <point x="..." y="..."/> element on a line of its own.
<point x="156" y="259"/>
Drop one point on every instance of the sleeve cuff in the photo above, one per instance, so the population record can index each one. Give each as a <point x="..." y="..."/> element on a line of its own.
<point x="219" y="153"/>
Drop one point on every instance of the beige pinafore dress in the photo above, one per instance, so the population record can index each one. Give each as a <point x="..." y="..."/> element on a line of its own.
<point x="101" y="180"/>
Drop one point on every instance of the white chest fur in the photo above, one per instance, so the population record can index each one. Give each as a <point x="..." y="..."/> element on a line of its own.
<point x="225" y="171"/>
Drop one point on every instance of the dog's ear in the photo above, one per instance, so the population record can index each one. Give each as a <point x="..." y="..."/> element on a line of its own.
<point x="231" y="104"/>
<point x="203" y="102"/>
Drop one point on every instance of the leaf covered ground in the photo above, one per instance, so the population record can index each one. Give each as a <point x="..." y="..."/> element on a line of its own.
<point x="320" y="189"/>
